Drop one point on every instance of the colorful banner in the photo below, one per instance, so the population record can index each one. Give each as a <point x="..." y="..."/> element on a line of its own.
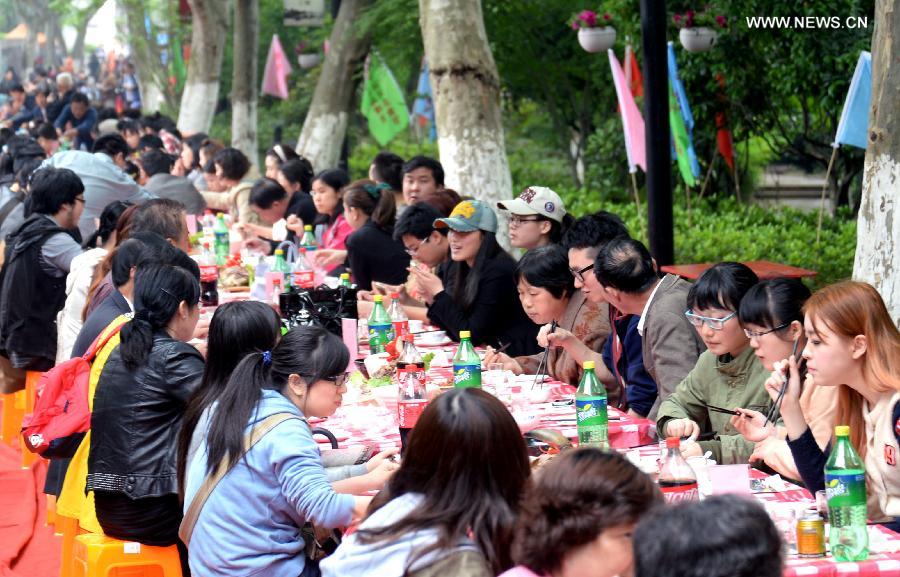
<point x="689" y="164"/>
<point x="853" y="128"/>
<point x="632" y="121"/>
<point x="383" y="104"/>
<point x="277" y="70"/>
<point x="423" y="107"/>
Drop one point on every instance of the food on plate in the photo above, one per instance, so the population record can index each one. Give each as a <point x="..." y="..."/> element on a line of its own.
<point x="233" y="277"/>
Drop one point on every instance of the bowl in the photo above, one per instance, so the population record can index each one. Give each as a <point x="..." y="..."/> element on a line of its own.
<point x="361" y="367"/>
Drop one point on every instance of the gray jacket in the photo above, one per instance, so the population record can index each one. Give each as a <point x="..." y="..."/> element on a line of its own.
<point x="178" y="188"/>
<point x="671" y="345"/>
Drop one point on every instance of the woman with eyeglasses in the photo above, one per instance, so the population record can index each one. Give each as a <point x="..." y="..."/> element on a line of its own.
<point x="138" y="408"/>
<point x="536" y="218"/>
<point x="772" y="316"/>
<point x="727" y="374"/>
<point x="251" y="523"/>
<point x="477" y="292"/>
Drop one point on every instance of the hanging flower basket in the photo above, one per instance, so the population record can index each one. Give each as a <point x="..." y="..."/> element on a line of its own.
<point x="698" y="39"/>
<point x="597" y="39"/>
<point x="308" y="61"/>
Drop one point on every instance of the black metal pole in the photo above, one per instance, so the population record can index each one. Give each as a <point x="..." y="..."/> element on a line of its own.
<point x="660" y="229"/>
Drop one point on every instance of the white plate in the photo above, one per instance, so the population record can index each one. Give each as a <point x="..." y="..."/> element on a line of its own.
<point x="436" y="339"/>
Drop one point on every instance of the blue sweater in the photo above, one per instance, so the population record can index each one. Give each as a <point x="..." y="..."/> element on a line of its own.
<point x="640" y="389"/>
<point x="250" y="525"/>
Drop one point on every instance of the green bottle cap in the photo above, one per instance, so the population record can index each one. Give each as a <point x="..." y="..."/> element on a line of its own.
<point x="377" y="298"/>
<point x="307" y="227"/>
<point x="589" y="365"/>
<point x="842" y="431"/>
<point x="465" y="334"/>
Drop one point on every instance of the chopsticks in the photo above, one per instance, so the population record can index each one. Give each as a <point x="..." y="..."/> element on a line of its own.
<point x="770" y="416"/>
<point x="543" y="365"/>
<point x="715" y="409"/>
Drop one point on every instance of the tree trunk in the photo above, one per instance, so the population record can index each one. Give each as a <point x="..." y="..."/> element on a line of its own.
<point x="150" y="72"/>
<point x="209" y="25"/>
<point x="78" y="47"/>
<point x="466" y="89"/>
<point x="878" y="228"/>
<point x="326" y="122"/>
<point x="244" y="85"/>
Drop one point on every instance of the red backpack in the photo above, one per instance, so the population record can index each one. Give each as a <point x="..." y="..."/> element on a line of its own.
<point x="61" y="404"/>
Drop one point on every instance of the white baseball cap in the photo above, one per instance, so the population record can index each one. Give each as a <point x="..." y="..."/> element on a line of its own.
<point x="536" y="200"/>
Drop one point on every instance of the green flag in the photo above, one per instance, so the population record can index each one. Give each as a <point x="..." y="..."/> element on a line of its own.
<point x="680" y="136"/>
<point x="179" y="71"/>
<point x="383" y="104"/>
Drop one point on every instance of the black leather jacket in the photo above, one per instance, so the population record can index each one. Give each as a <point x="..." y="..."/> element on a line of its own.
<point x="137" y="417"/>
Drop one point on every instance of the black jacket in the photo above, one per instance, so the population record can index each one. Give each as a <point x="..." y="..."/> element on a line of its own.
<point x="375" y="256"/>
<point x="496" y="317"/>
<point x="137" y="417"/>
<point x="29" y="297"/>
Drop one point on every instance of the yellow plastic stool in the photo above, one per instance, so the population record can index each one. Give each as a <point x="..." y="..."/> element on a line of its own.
<point x="69" y="529"/>
<point x="101" y="556"/>
<point x="13" y="411"/>
<point x="28" y="400"/>
<point x="51" y="510"/>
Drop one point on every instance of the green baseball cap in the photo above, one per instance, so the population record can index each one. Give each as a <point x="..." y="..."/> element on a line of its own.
<point x="469" y="215"/>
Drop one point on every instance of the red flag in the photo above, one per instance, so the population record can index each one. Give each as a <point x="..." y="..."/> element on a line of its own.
<point x="277" y="70"/>
<point x="724" y="140"/>
<point x="633" y="73"/>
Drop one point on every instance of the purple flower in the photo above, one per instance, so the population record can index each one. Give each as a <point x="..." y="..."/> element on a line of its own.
<point x="589" y="17"/>
<point x="677" y="18"/>
<point x="721" y="21"/>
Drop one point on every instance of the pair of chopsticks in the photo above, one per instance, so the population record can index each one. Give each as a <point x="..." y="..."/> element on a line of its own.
<point x="716" y="409"/>
<point x="776" y="406"/>
<point x="543" y="365"/>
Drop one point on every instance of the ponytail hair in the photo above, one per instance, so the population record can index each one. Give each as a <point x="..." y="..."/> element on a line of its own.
<point x="375" y="200"/>
<point x="109" y="221"/>
<point x="311" y="352"/>
<point x="158" y="291"/>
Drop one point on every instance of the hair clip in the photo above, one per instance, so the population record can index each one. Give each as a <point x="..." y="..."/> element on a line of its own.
<point x="280" y="152"/>
<point x="168" y="293"/>
<point x="267" y="358"/>
<point x="374" y="190"/>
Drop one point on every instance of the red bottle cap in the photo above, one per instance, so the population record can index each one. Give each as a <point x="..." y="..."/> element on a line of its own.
<point x="673" y="442"/>
<point x="395" y="295"/>
<point x="409" y="338"/>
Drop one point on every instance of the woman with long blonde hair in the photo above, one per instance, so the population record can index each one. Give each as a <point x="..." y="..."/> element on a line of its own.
<point x="852" y="344"/>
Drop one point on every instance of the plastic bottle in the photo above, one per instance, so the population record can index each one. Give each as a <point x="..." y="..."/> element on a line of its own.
<point x="466" y="363"/>
<point x="379" y="327"/>
<point x="308" y="240"/>
<point x="677" y="480"/>
<point x="222" y="240"/>
<point x="411" y="379"/>
<point x="591" y="410"/>
<point x="399" y="320"/>
<point x="209" y="277"/>
<point x="208" y="224"/>
<point x="345" y="280"/>
<point x="845" y="485"/>
<point x="304" y="276"/>
<point x="276" y="294"/>
<point x="283" y="267"/>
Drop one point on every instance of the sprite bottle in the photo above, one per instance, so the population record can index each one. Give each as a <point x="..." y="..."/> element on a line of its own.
<point x="308" y="240"/>
<point x="845" y="485"/>
<point x="221" y="240"/>
<point x="466" y="363"/>
<point x="590" y="410"/>
<point x="283" y="267"/>
<point x="379" y="327"/>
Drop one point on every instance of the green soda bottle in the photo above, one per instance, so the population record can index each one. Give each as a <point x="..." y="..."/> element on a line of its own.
<point x="345" y="279"/>
<point x="845" y="485"/>
<point x="466" y="363"/>
<point x="379" y="326"/>
<point x="308" y="241"/>
<point x="222" y="241"/>
<point x="590" y="410"/>
<point x="282" y="266"/>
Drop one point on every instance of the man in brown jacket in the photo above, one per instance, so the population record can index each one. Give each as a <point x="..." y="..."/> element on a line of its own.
<point x="630" y="282"/>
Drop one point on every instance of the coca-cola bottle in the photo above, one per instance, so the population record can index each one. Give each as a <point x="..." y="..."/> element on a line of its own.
<point x="399" y="320"/>
<point x="411" y="381"/>
<point x="209" y="278"/>
<point x="677" y="479"/>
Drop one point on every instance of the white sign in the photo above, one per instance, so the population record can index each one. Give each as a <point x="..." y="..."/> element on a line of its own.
<point x="304" y="12"/>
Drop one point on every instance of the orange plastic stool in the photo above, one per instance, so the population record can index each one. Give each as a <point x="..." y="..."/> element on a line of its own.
<point x="69" y="529"/>
<point x="102" y="556"/>
<point x="13" y="411"/>
<point x="51" y="510"/>
<point x="28" y="398"/>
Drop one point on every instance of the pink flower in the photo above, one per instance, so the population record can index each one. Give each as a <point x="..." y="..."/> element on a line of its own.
<point x="677" y="19"/>
<point x="607" y="17"/>
<point x="721" y="21"/>
<point x="575" y="25"/>
<point x="589" y="17"/>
